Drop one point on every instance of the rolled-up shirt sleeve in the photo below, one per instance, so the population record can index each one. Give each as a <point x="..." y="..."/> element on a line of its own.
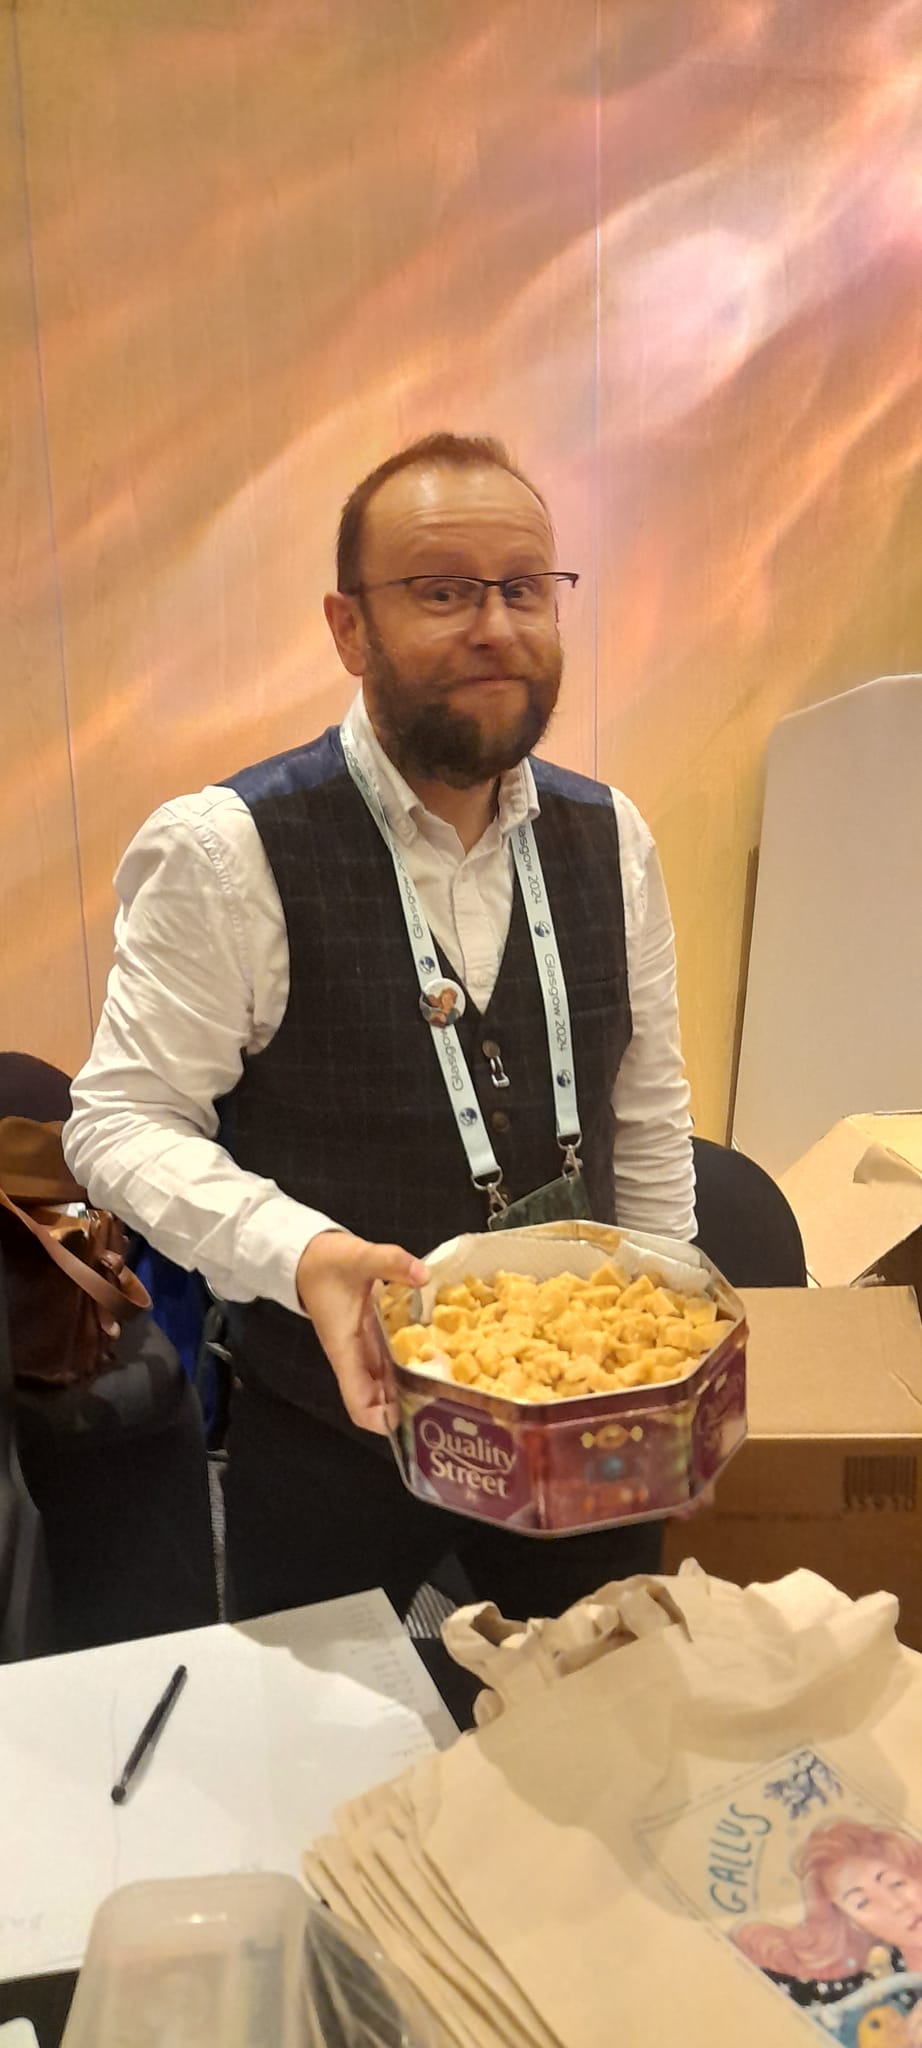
<point x="177" y="1020"/>
<point x="654" y="1169"/>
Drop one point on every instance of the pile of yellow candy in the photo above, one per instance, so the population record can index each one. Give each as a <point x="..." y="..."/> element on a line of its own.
<point x="559" y="1339"/>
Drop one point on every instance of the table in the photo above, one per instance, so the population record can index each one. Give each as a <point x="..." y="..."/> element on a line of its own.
<point x="45" y="1999"/>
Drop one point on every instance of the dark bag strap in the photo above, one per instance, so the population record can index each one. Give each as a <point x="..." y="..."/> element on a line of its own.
<point x="113" y="1299"/>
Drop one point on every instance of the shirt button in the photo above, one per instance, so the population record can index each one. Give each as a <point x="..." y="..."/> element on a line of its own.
<point x="499" y="1120"/>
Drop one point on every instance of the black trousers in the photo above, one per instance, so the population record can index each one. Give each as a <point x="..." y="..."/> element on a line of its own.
<point x="313" y="1513"/>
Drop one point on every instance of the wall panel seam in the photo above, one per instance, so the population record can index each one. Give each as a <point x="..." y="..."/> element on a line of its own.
<point x="49" y="500"/>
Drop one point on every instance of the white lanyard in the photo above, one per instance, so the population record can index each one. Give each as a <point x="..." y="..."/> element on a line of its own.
<point x="484" y="1165"/>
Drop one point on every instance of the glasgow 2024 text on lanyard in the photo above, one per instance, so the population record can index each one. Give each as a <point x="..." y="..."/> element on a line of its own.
<point x="568" y="1196"/>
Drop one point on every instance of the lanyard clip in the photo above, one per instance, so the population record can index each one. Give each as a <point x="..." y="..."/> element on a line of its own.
<point x="495" y="1192"/>
<point x="572" y="1163"/>
<point x="494" y="1058"/>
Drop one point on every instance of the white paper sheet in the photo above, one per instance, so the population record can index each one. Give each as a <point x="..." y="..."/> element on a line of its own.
<point x="280" y="1721"/>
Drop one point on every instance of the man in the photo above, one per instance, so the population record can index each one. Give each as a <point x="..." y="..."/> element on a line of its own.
<point x="265" y="1099"/>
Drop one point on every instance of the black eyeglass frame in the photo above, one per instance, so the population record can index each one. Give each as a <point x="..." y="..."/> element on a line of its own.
<point x="485" y="583"/>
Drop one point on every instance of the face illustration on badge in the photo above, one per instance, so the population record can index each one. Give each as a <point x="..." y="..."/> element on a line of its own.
<point x="442" y="1003"/>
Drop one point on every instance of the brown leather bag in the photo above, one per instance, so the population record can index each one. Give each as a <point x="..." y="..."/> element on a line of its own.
<point x="68" y="1287"/>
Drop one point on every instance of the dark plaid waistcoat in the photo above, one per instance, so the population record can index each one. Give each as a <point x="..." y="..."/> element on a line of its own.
<point x="346" y="1108"/>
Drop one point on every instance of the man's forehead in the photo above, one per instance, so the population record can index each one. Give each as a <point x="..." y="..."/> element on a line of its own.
<point x="450" y="502"/>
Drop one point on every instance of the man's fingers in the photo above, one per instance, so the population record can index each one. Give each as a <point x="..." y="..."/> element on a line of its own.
<point x="336" y="1275"/>
<point x="360" y="1368"/>
<point x="391" y="1262"/>
<point x="373" y="1338"/>
<point x="362" y="1392"/>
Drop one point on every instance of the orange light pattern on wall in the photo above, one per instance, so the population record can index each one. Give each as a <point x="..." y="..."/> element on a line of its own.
<point x="671" y="255"/>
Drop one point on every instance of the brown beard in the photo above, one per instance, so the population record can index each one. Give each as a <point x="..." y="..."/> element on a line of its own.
<point x="425" y="737"/>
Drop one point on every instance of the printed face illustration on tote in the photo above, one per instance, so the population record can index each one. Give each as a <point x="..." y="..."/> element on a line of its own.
<point x="814" y="1885"/>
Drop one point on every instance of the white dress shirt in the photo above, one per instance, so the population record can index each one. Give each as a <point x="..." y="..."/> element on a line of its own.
<point x="201" y="977"/>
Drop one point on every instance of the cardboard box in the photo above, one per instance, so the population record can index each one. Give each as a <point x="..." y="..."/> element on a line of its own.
<point x="831" y="1473"/>
<point x="857" y="1196"/>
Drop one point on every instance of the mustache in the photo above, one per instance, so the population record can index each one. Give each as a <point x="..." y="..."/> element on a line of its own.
<point x="490" y="675"/>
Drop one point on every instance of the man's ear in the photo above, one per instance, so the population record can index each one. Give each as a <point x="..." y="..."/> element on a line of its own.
<point x="344" y="618"/>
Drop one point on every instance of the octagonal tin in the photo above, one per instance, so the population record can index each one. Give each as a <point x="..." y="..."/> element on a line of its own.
<point x="600" y="1460"/>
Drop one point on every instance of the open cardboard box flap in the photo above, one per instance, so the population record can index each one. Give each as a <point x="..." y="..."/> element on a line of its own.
<point x="857" y="1195"/>
<point x="834" y="1361"/>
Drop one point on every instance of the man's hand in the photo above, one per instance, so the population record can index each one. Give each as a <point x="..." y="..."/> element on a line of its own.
<point x="335" y="1277"/>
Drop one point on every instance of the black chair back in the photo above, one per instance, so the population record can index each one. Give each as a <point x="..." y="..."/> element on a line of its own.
<point x="25" y="1612"/>
<point x="745" y="1223"/>
<point x="32" y="1087"/>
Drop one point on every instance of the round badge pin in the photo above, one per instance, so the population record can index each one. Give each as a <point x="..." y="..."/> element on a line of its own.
<point x="442" y="1003"/>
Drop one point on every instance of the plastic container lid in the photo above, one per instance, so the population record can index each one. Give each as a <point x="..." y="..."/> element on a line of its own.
<point x="237" y="1962"/>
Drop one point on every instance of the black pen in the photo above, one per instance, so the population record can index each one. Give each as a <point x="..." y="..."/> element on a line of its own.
<point x="150" y="1732"/>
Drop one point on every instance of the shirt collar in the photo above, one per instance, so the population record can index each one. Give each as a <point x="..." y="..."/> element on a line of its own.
<point x="403" y="809"/>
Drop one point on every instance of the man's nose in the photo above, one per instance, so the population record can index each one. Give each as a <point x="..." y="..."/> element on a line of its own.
<point x="492" y="624"/>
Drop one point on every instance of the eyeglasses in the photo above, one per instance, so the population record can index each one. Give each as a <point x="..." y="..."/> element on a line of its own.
<point x="452" y="597"/>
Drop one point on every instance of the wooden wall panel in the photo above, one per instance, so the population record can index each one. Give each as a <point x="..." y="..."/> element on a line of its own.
<point x="44" y="1005"/>
<point x="272" y="243"/>
<point x="761" y="424"/>
<point x="671" y="255"/>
